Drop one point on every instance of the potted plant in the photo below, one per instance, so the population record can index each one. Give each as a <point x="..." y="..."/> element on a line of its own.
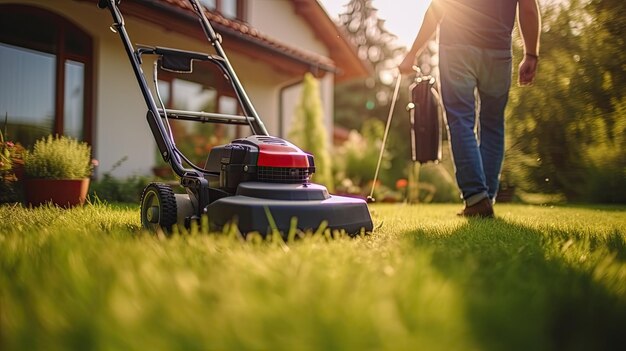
<point x="57" y="170"/>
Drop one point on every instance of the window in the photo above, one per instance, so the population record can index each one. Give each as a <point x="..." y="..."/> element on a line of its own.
<point x="203" y="90"/>
<point x="209" y="4"/>
<point x="229" y="8"/>
<point x="45" y="65"/>
<point x="232" y="9"/>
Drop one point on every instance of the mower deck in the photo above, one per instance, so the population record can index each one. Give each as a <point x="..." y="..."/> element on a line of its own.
<point x="310" y="204"/>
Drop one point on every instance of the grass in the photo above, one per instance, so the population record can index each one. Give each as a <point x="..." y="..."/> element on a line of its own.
<point x="536" y="278"/>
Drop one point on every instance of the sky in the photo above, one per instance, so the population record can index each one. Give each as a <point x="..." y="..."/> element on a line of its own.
<point x="402" y="17"/>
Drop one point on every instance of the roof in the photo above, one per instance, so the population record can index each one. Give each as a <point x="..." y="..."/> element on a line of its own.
<point x="342" y="51"/>
<point x="343" y="60"/>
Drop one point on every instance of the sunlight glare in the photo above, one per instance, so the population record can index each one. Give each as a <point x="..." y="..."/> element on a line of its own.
<point x="402" y="17"/>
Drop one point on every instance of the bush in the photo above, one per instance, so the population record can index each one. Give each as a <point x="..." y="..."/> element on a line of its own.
<point x="310" y="134"/>
<point x="11" y="155"/>
<point x="112" y="189"/>
<point x="58" y="157"/>
<point x="605" y="175"/>
<point x="357" y="158"/>
<point x="437" y="185"/>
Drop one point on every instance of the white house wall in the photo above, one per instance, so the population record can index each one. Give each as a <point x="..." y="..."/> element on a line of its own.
<point x="121" y="130"/>
<point x="278" y="19"/>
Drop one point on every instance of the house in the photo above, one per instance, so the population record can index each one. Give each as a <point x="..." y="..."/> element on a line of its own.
<point x="63" y="70"/>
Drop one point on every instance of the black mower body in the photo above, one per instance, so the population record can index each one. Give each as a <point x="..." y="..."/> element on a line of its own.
<point x="259" y="158"/>
<point x="269" y="179"/>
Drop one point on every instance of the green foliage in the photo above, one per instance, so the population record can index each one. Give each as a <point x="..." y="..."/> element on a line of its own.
<point x="566" y="131"/>
<point x="359" y="100"/>
<point x="310" y="134"/>
<point x="11" y="155"/>
<point x="6" y="162"/>
<point x="11" y="159"/>
<point x="195" y="140"/>
<point x="356" y="164"/>
<point x="115" y="190"/>
<point x="606" y="168"/>
<point x="436" y="184"/>
<point x="536" y="278"/>
<point x="357" y="157"/>
<point x="58" y="157"/>
<point x="369" y="97"/>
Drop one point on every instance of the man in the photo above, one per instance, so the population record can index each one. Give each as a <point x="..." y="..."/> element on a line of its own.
<point x="475" y="56"/>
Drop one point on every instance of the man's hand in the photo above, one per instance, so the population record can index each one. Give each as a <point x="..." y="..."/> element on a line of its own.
<point x="527" y="70"/>
<point x="429" y="26"/>
<point x="530" y="28"/>
<point x="407" y="64"/>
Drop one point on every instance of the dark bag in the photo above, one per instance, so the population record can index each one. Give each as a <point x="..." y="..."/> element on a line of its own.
<point x="425" y="113"/>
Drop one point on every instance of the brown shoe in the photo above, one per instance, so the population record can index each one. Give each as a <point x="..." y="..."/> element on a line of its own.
<point x="481" y="209"/>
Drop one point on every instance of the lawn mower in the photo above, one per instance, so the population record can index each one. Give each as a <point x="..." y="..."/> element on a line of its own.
<point x="260" y="182"/>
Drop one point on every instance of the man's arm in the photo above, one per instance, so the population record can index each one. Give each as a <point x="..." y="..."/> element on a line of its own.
<point x="529" y="23"/>
<point x="433" y="16"/>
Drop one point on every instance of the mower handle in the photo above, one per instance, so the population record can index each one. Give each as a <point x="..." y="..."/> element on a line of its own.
<point x="103" y="4"/>
<point x="257" y="127"/>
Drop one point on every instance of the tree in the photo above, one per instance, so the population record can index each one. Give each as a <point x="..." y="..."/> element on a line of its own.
<point x="566" y="132"/>
<point x="357" y="100"/>
<point x="308" y="131"/>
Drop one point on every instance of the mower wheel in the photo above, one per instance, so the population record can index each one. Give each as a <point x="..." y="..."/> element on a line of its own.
<point x="158" y="207"/>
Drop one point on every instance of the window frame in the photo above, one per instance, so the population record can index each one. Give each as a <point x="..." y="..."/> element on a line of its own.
<point x="220" y="89"/>
<point x="223" y="89"/>
<point x="62" y="26"/>
<point x="241" y="5"/>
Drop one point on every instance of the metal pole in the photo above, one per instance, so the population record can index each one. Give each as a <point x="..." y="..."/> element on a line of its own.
<point x="382" y="147"/>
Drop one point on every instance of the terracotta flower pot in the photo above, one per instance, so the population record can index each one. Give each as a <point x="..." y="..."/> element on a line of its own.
<point x="18" y="170"/>
<point x="61" y="192"/>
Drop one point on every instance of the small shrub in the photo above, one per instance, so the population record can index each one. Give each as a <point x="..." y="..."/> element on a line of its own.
<point x="11" y="160"/>
<point x="11" y="156"/>
<point x="310" y="134"/>
<point x="605" y="175"/>
<point x="357" y="158"/>
<point x="111" y="189"/>
<point x="437" y="185"/>
<point x="58" y="157"/>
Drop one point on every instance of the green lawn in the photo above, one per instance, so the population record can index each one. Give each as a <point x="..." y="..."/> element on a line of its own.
<point x="536" y="278"/>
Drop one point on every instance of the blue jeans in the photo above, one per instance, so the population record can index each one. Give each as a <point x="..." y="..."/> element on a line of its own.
<point x="468" y="74"/>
